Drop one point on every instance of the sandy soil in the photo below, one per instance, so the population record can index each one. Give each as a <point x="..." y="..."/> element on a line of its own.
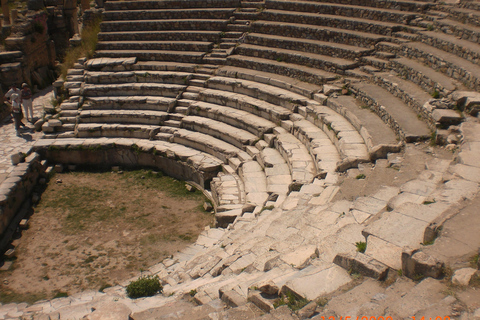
<point x="99" y="229"/>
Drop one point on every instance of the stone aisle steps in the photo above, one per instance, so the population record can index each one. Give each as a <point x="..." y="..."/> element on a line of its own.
<point x="379" y="138"/>
<point x="393" y="111"/>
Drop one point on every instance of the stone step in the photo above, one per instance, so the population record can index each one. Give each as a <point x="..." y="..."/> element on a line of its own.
<point x="158" y="14"/>
<point x="393" y="111"/>
<point x="349" y="10"/>
<point x="321" y="33"/>
<point x="283" y="82"/>
<point x="407" y="5"/>
<point x="253" y="106"/>
<point x="155" y="25"/>
<point x="379" y="138"/>
<point x="123" y="116"/>
<point x="214" y="60"/>
<point x="378" y="63"/>
<point x="129" y="103"/>
<point x="332" y="20"/>
<point x="166" y="35"/>
<point x="205" y="143"/>
<point x="450" y="43"/>
<point x="426" y="77"/>
<point x="235" y="136"/>
<point x="153" y="55"/>
<point x="307" y="45"/>
<point x="323" y="62"/>
<point x="312" y="75"/>
<point x="465" y="15"/>
<point x="133" y="89"/>
<point x="414" y="96"/>
<point x="97" y="130"/>
<point x="245" y="15"/>
<point x="227" y="189"/>
<point x="172" y="4"/>
<point x="458" y="29"/>
<point x="239" y="27"/>
<point x="274" y="95"/>
<point x="155" y="45"/>
<point x="255" y="182"/>
<point x="448" y="63"/>
<point x="173" y="77"/>
<point x="302" y="167"/>
<point x="234" y="117"/>
<point x="278" y="174"/>
<point x="348" y="141"/>
<point x="197" y="83"/>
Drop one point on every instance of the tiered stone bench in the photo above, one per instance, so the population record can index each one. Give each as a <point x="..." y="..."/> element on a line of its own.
<point x="276" y="127"/>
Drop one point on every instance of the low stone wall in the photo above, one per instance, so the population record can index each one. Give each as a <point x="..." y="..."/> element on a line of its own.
<point x="15" y="191"/>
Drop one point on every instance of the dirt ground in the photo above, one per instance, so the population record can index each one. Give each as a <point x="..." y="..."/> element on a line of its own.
<point x="92" y="230"/>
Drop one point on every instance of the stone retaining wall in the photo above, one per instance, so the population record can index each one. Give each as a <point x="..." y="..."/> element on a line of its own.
<point x="170" y="4"/>
<point x="15" y="191"/>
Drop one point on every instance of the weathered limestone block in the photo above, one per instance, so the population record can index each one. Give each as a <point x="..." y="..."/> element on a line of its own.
<point x="464" y="276"/>
<point x="363" y="264"/>
<point x="421" y="264"/>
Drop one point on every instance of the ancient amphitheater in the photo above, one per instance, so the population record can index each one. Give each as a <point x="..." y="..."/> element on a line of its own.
<point x="277" y="108"/>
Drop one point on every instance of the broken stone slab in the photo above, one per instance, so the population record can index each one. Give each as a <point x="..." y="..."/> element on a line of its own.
<point x="269" y="288"/>
<point x="110" y="311"/>
<point x="385" y="252"/>
<point x="315" y="284"/>
<point x="232" y="298"/>
<point x="262" y="300"/>
<point x="301" y="257"/>
<point x="361" y="263"/>
<point x="223" y="219"/>
<point x="415" y="264"/>
<point x="446" y="116"/>
<point x="464" y="276"/>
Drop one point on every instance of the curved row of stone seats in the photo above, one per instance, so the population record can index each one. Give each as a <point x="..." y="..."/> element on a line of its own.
<point x="151" y="76"/>
<point x="448" y="63"/>
<point x="304" y="73"/>
<point x="308" y="45"/>
<point x="186" y="12"/>
<point x="128" y="103"/>
<point x="393" y="111"/>
<point x="166" y="35"/>
<point x="291" y="84"/>
<point x="314" y="60"/>
<point x="379" y="138"/>
<point x="155" y="25"/>
<point x="458" y="29"/>
<point x="115" y="130"/>
<point x="416" y="6"/>
<point x="348" y="10"/>
<point x="348" y="140"/>
<point x="178" y="160"/>
<point x="332" y="20"/>
<point x="232" y="116"/>
<point x="156" y="45"/>
<point x="133" y="89"/>
<point x="169" y="4"/>
<point x="243" y="102"/>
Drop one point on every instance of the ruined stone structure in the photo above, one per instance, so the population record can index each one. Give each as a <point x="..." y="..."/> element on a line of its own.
<point x="269" y="105"/>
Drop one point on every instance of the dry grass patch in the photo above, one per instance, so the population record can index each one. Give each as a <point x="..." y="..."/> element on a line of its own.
<point x="94" y="230"/>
